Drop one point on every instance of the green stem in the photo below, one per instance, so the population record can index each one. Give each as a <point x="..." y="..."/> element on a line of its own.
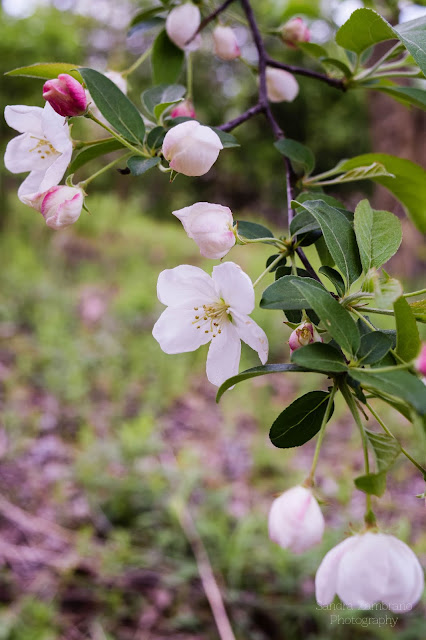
<point x="189" y="76"/>
<point x="309" y="482"/>
<point x="414" y="293"/>
<point x="117" y="136"/>
<point x="354" y="297"/>
<point x="369" y="515"/>
<point x="382" y="312"/>
<point x="368" y="72"/>
<point x="275" y="241"/>
<point x="405" y="365"/>
<point x="267" y="270"/>
<point x="88" y="180"/>
<point x="373" y="328"/>
<point x="137" y="62"/>
<point x="80" y="144"/>
<point x="388" y="431"/>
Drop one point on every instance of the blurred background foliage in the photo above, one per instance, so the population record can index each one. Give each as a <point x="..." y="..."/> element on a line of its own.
<point x="107" y="436"/>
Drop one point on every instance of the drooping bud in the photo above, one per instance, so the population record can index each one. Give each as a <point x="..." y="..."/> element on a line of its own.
<point x="281" y="85"/>
<point x="210" y="225"/>
<point x="295" y="520"/>
<point x="60" y="206"/>
<point x="191" y="148"/>
<point x="65" y="95"/>
<point x="181" y="24"/>
<point x="351" y="571"/>
<point x="303" y="335"/>
<point x="294" y="31"/>
<point x="184" y="109"/>
<point x="225" y="43"/>
<point x="420" y="362"/>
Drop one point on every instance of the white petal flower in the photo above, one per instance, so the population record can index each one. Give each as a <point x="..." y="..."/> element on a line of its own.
<point x="225" y="43"/>
<point x="371" y="568"/>
<point x="191" y="148"/>
<point x="295" y="520"/>
<point x="44" y="147"/>
<point x="203" y="309"/>
<point x="281" y="85"/>
<point x="210" y="225"/>
<point x="181" y="24"/>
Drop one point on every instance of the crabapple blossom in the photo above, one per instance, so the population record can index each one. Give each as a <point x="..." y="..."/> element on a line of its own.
<point x="420" y="362"/>
<point x="43" y="148"/>
<point x="295" y="520"/>
<point x="181" y="24"/>
<point x="66" y="95"/>
<point x="191" y="148"/>
<point x="294" y="31"/>
<point x="281" y="85"/>
<point x="225" y="43"/>
<point x="60" y="206"/>
<point x="369" y="568"/>
<point x="304" y="334"/>
<point x="202" y="309"/>
<point x="210" y="225"/>
<point x="184" y="109"/>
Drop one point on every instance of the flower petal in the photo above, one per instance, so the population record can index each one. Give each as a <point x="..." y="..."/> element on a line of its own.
<point x="176" y="332"/>
<point x="24" y="119"/>
<point x="186" y="287"/>
<point x="224" y="355"/>
<point x="30" y="186"/>
<point x="234" y="286"/>
<point x="56" y="170"/>
<point x="56" y="129"/>
<point x="326" y="577"/>
<point x="250" y="332"/>
<point x="21" y="155"/>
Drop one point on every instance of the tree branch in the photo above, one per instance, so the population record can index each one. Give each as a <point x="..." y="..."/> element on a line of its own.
<point x="228" y="126"/>
<point x="333" y="82"/>
<point x="209" y="19"/>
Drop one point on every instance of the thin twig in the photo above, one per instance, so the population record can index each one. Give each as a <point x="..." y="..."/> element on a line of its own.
<point x="332" y="82"/>
<point x="232" y="124"/>
<point x="209" y="19"/>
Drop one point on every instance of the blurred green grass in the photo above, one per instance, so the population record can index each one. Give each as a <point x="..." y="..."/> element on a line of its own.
<point x="76" y="314"/>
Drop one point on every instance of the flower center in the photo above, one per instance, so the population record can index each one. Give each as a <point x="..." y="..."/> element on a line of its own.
<point x="43" y="148"/>
<point x="211" y="317"/>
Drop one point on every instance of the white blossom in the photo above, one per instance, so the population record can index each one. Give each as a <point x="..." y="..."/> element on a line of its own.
<point x="210" y="226"/>
<point x="191" y="148"/>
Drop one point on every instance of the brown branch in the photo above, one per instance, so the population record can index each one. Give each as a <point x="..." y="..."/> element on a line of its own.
<point x="228" y="126"/>
<point x="209" y="19"/>
<point x="332" y="82"/>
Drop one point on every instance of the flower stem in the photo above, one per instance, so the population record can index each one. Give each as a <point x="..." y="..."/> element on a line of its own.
<point x="189" y="76"/>
<point x="309" y="482"/>
<point x="88" y="180"/>
<point x="117" y="136"/>
<point x="268" y="269"/>
<point x="368" y="72"/>
<point x="369" y="515"/>
<point x="405" y="365"/>
<point x="381" y="312"/>
<point x="414" y="293"/>
<point x="137" y="62"/>
<point x="404" y="451"/>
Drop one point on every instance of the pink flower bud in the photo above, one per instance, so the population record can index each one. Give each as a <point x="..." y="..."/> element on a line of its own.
<point x="184" y="109"/>
<point x="191" y="148"/>
<point x="281" y="85"/>
<point x="303" y="335"/>
<point x="65" y="95"/>
<point x="420" y="362"/>
<point x="225" y="43"/>
<point x="294" y="31"/>
<point x="60" y="206"/>
<point x="352" y="569"/>
<point x="181" y="24"/>
<point x="295" y="520"/>
<point x="210" y="225"/>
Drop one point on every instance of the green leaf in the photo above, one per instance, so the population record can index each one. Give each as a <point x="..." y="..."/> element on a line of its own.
<point x="324" y="254"/>
<point x="339" y="236"/>
<point x="396" y="385"/>
<point x="419" y="310"/>
<point x="146" y="20"/>
<point x="386" y="290"/>
<point x="413" y="35"/>
<point x="227" y="139"/>
<point x="333" y="63"/>
<point x="378" y="233"/>
<point x="255" y="372"/>
<point x="155" y="137"/>
<point x="408" y="185"/>
<point x="312" y="49"/>
<point x="157" y="99"/>
<point x="94" y="151"/>
<point x="300" y="421"/>
<point x="46" y="70"/>
<point x="145" y="14"/>
<point x="280" y="263"/>
<point x="320" y="357"/>
<point x="364" y="28"/>
<point x="386" y="449"/>
<point x="139" y="165"/>
<point x="406" y="95"/>
<point x="293" y="292"/>
<point x="407" y="335"/>
<point x="335" y="278"/>
<point x="167" y="60"/>
<point x="373" y="483"/>
<point x="374" y="346"/>
<point x="252" y="230"/>
<point x="116" y="107"/>
<point x="299" y="155"/>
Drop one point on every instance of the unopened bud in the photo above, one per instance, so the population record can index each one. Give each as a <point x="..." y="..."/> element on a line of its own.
<point x="181" y="25"/>
<point x="60" y="206"/>
<point x="294" y="31"/>
<point x="65" y="95"/>
<point x="184" y="109"/>
<point x="281" y="85"/>
<point x="225" y="43"/>
<point x="303" y="335"/>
